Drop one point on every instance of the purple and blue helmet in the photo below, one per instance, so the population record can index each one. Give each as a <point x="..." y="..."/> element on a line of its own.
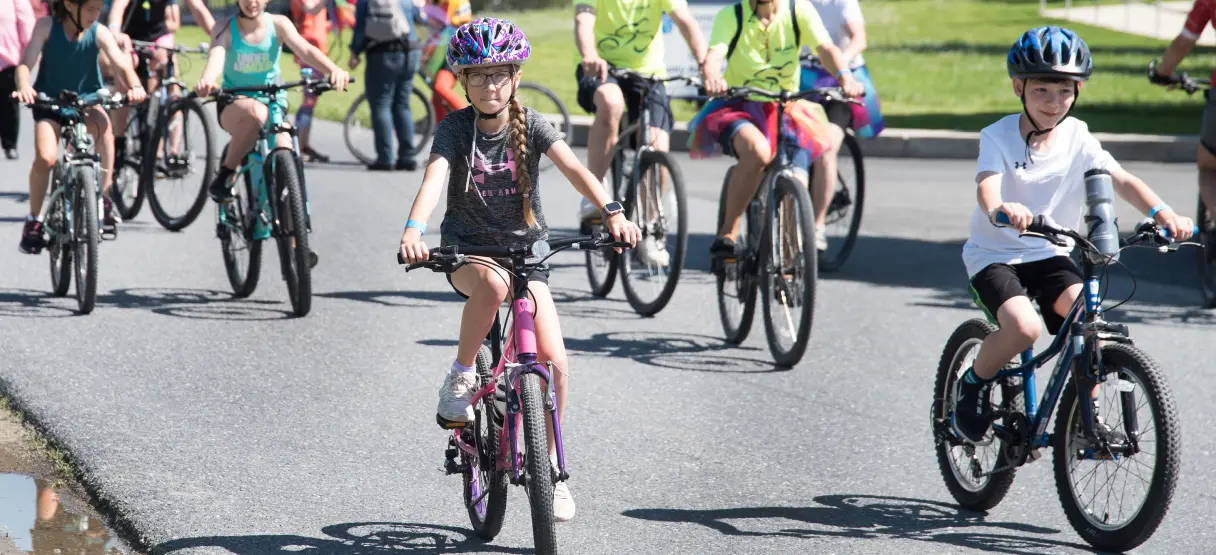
<point x="487" y="41"/>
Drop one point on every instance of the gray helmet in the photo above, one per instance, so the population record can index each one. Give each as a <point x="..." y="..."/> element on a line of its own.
<point x="1050" y="52"/>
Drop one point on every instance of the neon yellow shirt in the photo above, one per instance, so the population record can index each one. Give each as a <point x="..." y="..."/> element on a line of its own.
<point x="627" y="32"/>
<point x="766" y="57"/>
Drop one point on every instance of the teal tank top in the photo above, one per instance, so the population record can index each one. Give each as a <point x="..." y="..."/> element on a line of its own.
<point x="252" y="65"/>
<point x="67" y="64"/>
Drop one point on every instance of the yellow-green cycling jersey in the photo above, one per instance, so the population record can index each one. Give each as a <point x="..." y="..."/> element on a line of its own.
<point x="627" y="32"/>
<point x="767" y="57"/>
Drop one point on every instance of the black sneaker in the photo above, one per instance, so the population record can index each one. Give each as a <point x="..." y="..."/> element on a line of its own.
<point x="407" y="164"/>
<point x="31" y="237"/>
<point x="972" y="412"/>
<point x="311" y="155"/>
<point x="109" y="218"/>
<point x="380" y="167"/>
<point x="220" y="189"/>
<point x="723" y="248"/>
<point x="10" y="153"/>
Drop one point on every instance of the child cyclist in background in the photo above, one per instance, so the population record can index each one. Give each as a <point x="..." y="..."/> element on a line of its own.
<point x="69" y="43"/>
<point x="489" y="154"/>
<point x="313" y="23"/>
<point x="246" y="53"/>
<point x="442" y="18"/>
<point x="1030" y="164"/>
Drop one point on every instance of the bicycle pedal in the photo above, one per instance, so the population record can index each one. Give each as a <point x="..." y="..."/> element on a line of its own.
<point x="450" y="424"/>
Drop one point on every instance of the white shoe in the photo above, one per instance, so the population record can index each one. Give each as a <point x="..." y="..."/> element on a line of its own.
<point x="454" y="396"/>
<point x="821" y="238"/>
<point x="651" y="254"/>
<point x="563" y="503"/>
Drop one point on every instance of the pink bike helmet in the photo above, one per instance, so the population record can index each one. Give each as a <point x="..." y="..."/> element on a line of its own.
<point x="487" y="41"/>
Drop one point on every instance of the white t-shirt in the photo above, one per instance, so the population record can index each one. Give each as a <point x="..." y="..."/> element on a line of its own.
<point x="1051" y="183"/>
<point x="836" y="14"/>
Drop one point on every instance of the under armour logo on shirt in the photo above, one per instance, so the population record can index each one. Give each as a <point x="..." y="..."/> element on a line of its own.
<point x="1019" y="165"/>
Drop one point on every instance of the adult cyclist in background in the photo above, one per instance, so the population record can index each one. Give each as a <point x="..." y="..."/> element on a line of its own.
<point x="625" y="34"/>
<point x="148" y="21"/>
<point x="1202" y="13"/>
<point x="442" y="18"/>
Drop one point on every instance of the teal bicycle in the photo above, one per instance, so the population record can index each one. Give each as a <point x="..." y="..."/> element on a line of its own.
<point x="272" y="202"/>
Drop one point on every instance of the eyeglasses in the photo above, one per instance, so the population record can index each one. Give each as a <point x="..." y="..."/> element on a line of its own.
<point x="479" y="79"/>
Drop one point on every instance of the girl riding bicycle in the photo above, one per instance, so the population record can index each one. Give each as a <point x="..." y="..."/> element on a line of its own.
<point x="247" y="55"/>
<point x="490" y="155"/>
<point x="765" y="56"/>
<point x="69" y="43"/>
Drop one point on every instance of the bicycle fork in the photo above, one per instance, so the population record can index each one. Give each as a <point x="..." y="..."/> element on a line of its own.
<point x="525" y="346"/>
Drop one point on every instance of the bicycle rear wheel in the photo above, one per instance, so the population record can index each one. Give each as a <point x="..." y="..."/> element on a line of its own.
<point x="790" y="274"/>
<point x="1206" y="257"/>
<point x="485" y="485"/>
<point x="184" y="165"/>
<point x="1138" y="434"/>
<point x="549" y="106"/>
<point x="537" y="465"/>
<point x="293" y="231"/>
<point x="736" y="276"/>
<point x="361" y="139"/>
<point x="649" y="285"/>
<point x="602" y="263"/>
<point x="60" y="244"/>
<point x="86" y="234"/>
<point x="234" y="227"/>
<point x="127" y="192"/>
<point x="843" y="219"/>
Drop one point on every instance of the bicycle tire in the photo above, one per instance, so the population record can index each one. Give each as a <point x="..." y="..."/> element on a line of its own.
<point x="59" y="232"/>
<point x="293" y="221"/>
<point x="788" y="187"/>
<point x="132" y="162"/>
<point x="177" y="222"/>
<point x="602" y="286"/>
<point x="854" y="199"/>
<point x="494" y="504"/>
<point x="539" y="470"/>
<point x="1168" y="459"/>
<point x="745" y="285"/>
<point x="988" y="494"/>
<point x="240" y="208"/>
<point x="86" y="233"/>
<point x="1206" y="257"/>
<point x="565" y="127"/>
<point x="676" y="251"/>
<point x="424" y="127"/>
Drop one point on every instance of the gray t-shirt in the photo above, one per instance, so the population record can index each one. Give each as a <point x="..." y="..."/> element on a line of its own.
<point x="491" y="211"/>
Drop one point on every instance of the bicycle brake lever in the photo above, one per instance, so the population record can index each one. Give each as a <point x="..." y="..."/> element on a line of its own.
<point x="1053" y="240"/>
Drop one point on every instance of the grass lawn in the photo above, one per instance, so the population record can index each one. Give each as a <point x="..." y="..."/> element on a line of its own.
<point x="936" y="63"/>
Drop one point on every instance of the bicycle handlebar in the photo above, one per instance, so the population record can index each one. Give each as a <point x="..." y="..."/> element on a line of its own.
<point x="69" y="99"/>
<point x="317" y="86"/>
<point x="1044" y="227"/>
<point x="447" y="259"/>
<point x="621" y="73"/>
<point x="1185" y="82"/>
<point x="147" y="47"/>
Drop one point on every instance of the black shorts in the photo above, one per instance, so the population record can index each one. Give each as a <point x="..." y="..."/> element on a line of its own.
<point x="634" y="89"/>
<point x="1207" y="129"/>
<point x="1042" y="280"/>
<point x="47" y="114"/>
<point x="540" y="275"/>
<point x="839" y="113"/>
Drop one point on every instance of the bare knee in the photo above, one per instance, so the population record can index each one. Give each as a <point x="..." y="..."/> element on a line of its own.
<point x="1025" y="327"/>
<point x="1206" y="160"/>
<point x="609" y="104"/>
<point x="754" y="152"/>
<point x="491" y="289"/>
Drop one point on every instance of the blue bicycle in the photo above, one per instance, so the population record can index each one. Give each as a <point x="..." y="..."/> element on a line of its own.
<point x="1130" y="424"/>
<point x="272" y="203"/>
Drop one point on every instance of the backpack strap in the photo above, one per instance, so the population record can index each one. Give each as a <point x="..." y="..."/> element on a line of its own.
<point x="794" y="17"/>
<point x="738" y="30"/>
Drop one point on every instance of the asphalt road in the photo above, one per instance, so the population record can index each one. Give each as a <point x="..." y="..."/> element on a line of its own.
<point x="211" y="424"/>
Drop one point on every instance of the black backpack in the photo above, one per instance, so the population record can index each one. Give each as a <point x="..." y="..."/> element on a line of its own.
<point x="739" y="27"/>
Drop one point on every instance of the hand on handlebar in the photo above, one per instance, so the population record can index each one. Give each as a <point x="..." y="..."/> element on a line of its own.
<point x="596" y="66"/>
<point x="26" y="96"/>
<point x="1018" y="215"/>
<point x="624" y="231"/>
<point x="412" y="248"/>
<point x="852" y="87"/>
<point x="339" y="79"/>
<point x="1180" y="228"/>
<point x="205" y="88"/>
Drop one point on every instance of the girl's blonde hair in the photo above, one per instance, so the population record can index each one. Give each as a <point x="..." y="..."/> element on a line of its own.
<point x="518" y="136"/>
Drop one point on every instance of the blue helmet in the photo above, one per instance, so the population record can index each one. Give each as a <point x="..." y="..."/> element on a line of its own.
<point x="1050" y="52"/>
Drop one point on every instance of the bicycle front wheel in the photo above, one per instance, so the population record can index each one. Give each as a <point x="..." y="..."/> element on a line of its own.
<point x="234" y="227"/>
<point x="735" y="275"/>
<point x="843" y="219"/>
<point x="86" y="234"/>
<point x="551" y="108"/>
<point x="294" y="253"/>
<point x="361" y="139"/>
<point x="789" y="276"/>
<point x="184" y="165"/>
<point x="1206" y="256"/>
<point x="485" y="485"/>
<point x="127" y="192"/>
<point x="602" y="263"/>
<point x="1116" y="488"/>
<point x="59" y="245"/>
<point x="539" y="470"/>
<point x="656" y="202"/>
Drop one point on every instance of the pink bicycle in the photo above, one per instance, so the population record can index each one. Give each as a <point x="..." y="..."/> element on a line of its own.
<point x="509" y="390"/>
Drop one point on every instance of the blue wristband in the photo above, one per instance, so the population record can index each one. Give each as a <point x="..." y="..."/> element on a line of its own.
<point x="1157" y="209"/>
<point x="420" y="226"/>
<point x="841" y="73"/>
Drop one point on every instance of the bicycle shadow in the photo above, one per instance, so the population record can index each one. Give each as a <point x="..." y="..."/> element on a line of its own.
<point x="198" y="304"/>
<point x="30" y="303"/>
<point x="393" y="298"/>
<point x="18" y="197"/>
<point x="869" y="517"/>
<point x="356" y="538"/>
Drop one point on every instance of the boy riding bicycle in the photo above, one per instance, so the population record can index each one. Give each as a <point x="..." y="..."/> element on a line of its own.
<point x="1031" y="164"/>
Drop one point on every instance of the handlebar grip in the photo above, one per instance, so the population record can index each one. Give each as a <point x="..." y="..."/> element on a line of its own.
<point x="1168" y="235"/>
<point x="400" y="259"/>
<point x="1001" y="218"/>
<point x="1040" y="224"/>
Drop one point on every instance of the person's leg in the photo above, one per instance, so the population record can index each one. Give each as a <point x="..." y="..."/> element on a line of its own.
<point x="304" y="127"/>
<point x="652" y="250"/>
<point x="823" y="185"/>
<point x="403" y="119"/>
<point x="486" y="288"/>
<point x="10" y="112"/>
<point x="551" y="346"/>
<point x="753" y="152"/>
<point x="446" y="98"/>
<point x="379" y="89"/>
<point x="46" y="150"/>
<point x="241" y="119"/>
<point x="98" y="123"/>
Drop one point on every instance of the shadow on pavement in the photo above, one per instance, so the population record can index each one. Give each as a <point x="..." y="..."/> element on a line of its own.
<point x="29" y="303"/>
<point x="15" y="196"/>
<point x="356" y="538"/>
<point x="870" y="517"/>
<point x="202" y="304"/>
<point x="394" y="298"/>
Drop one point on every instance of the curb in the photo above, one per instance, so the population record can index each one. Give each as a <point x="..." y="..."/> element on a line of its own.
<point x="942" y="144"/>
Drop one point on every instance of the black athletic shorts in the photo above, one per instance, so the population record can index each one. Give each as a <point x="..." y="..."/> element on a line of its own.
<point x="1042" y="280"/>
<point x="634" y="89"/>
<point x="540" y="275"/>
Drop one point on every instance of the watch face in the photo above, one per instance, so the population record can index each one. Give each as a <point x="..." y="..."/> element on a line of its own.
<point x="613" y="207"/>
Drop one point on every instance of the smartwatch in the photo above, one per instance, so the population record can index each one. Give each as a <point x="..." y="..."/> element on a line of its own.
<point x="611" y="209"/>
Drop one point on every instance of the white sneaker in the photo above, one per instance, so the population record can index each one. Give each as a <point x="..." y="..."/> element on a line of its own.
<point x="563" y="503"/>
<point x="821" y="238"/>
<point x="651" y="254"/>
<point x="454" y="396"/>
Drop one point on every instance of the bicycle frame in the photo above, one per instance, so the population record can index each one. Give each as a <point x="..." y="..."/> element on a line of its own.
<point x="77" y="149"/>
<point x="264" y="210"/>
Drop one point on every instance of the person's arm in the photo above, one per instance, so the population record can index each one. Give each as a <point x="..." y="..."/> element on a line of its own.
<point x="358" y="37"/>
<point x="108" y="45"/>
<point x="584" y="39"/>
<point x="715" y="53"/>
<point x="1133" y="190"/>
<point x="118" y="10"/>
<point x="587" y="185"/>
<point x="173" y="18"/>
<point x="29" y="59"/>
<point x="1177" y="50"/>
<point x="309" y="53"/>
<point x="990" y="173"/>
<point x="688" y="27"/>
<point x="202" y="15"/>
<point x="412" y="247"/>
<point x="208" y="82"/>
<point x="855" y="26"/>
<point x="820" y="41"/>
<point x="314" y="7"/>
<point x="25" y="22"/>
